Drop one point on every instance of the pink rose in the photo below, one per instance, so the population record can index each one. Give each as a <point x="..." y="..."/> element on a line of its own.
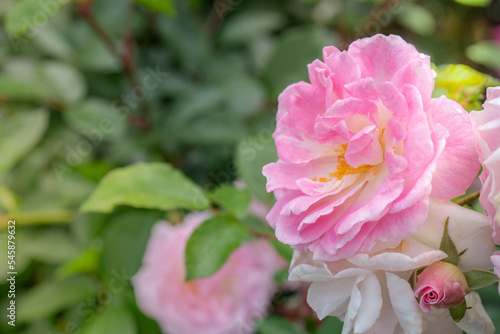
<point x="363" y="147"/>
<point x="495" y="258"/>
<point x="487" y="129"/>
<point x="441" y="285"/>
<point x="228" y="302"/>
<point x="371" y="293"/>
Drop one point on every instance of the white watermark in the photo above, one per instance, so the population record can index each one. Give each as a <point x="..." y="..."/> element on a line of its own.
<point x="11" y="265"/>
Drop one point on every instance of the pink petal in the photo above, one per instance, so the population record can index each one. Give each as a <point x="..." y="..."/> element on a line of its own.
<point x="458" y="164"/>
<point x="381" y="56"/>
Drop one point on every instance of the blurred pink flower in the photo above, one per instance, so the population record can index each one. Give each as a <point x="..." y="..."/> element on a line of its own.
<point x="487" y="129"/>
<point x="363" y="147"/>
<point x="495" y="34"/>
<point x="228" y="302"/>
<point x="441" y="285"/>
<point x="371" y="292"/>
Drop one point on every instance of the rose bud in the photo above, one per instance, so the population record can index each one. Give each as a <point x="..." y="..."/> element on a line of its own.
<point x="441" y="285"/>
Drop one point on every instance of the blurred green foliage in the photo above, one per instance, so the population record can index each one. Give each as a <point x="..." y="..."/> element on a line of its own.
<point x="186" y="93"/>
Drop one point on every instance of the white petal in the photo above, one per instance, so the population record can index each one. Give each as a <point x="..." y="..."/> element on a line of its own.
<point x="330" y="298"/>
<point x="468" y="229"/>
<point x="405" y="305"/>
<point x="440" y="322"/>
<point x="387" y="321"/>
<point x="352" y="309"/>
<point x="304" y="268"/>
<point x="476" y="319"/>
<point x="371" y="304"/>
<point x="392" y="261"/>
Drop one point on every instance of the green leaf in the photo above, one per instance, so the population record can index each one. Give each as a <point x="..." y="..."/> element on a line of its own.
<point x="448" y="246"/>
<point x="285" y="251"/>
<point x="112" y="320"/>
<point x="485" y="53"/>
<point x="201" y="118"/>
<point x="27" y="80"/>
<point x="19" y="133"/>
<point x="65" y="82"/>
<point x="31" y="14"/>
<point x="233" y="200"/>
<point x="51" y="40"/>
<point x="458" y="312"/>
<point x="210" y="245"/>
<point x="452" y="76"/>
<point x="277" y="325"/>
<point x="55" y="296"/>
<point x="52" y="246"/>
<point x="9" y="202"/>
<point x="12" y="88"/>
<point x="462" y="84"/>
<point x="258" y="225"/>
<point x="281" y="276"/>
<point x="186" y="38"/>
<point x="250" y="25"/>
<point x="477" y="279"/>
<point x="96" y="120"/>
<point x="91" y="54"/>
<point x="330" y="325"/>
<point x="476" y="3"/>
<point x="245" y="96"/>
<point x="86" y="262"/>
<point x="418" y="19"/>
<point x="125" y="241"/>
<point x="252" y="154"/>
<point x="161" y="6"/>
<point x="146" y="185"/>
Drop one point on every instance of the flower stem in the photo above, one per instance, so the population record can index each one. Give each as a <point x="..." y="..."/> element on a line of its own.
<point x="37" y="217"/>
<point x="126" y="57"/>
<point x="468" y="198"/>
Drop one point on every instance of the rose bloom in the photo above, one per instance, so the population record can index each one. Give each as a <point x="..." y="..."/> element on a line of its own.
<point x="228" y="302"/>
<point x="371" y="292"/>
<point x="495" y="258"/>
<point x="487" y="129"/>
<point x="362" y="149"/>
<point x="441" y="285"/>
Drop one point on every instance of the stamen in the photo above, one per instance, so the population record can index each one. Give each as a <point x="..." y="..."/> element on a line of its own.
<point x="344" y="169"/>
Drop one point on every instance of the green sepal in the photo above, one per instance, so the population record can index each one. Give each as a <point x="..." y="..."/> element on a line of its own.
<point x="448" y="246"/>
<point x="477" y="279"/>
<point x="458" y="312"/>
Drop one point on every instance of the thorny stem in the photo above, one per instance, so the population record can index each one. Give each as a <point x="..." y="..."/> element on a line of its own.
<point x="38" y="217"/>
<point x="468" y="198"/>
<point x="126" y="57"/>
<point x="86" y="12"/>
<point x="258" y="234"/>
<point x="219" y="11"/>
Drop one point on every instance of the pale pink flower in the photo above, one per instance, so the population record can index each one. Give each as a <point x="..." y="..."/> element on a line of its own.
<point x="441" y="285"/>
<point x="371" y="293"/>
<point x="487" y="128"/>
<point x="495" y="258"/>
<point x="228" y="302"/>
<point x="362" y="149"/>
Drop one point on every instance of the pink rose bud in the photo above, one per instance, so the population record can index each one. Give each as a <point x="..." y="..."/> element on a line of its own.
<point x="441" y="285"/>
